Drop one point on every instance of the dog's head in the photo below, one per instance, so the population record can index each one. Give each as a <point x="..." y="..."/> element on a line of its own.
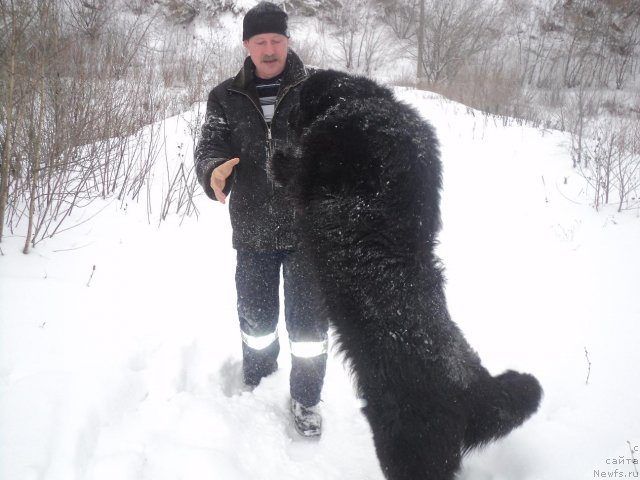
<point x="330" y="89"/>
<point x="325" y="151"/>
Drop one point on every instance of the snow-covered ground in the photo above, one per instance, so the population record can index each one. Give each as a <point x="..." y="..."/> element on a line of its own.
<point x="131" y="371"/>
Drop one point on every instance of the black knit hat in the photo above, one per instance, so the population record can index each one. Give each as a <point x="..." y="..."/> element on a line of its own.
<point x="265" y="17"/>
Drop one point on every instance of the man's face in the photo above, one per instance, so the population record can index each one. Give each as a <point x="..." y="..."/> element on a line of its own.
<point x="268" y="51"/>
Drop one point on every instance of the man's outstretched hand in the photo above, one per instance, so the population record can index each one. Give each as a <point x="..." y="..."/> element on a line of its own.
<point x="219" y="178"/>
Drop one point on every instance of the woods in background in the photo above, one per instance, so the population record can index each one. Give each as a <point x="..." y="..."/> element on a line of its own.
<point x="83" y="84"/>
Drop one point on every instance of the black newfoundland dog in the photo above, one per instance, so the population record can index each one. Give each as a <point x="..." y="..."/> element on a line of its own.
<point x="364" y="172"/>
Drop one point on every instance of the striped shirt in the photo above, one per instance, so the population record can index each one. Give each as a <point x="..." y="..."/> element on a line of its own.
<point x="267" y="92"/>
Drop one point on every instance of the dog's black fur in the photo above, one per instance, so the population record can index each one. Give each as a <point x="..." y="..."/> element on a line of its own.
<point x="364" y="172"/>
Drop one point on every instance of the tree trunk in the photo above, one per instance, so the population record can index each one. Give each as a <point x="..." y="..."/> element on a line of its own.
<point x="419" y="66"/>
<point x="35" y="163"/>
<point x="7" y="147"/>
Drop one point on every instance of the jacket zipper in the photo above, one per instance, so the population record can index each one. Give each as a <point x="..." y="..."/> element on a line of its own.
<point x="267" y="127"/>
<point x="275" y="109"/>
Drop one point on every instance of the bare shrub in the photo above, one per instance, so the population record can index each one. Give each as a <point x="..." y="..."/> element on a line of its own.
<point x="88" y="17"/>
<point x="311" y="47"/>
<point x="401" y="17"/>
<point x="454" y="32"/>
<point x="611" y="161"/>
<point x="626" y="168"/>
<point x="362" y="40"/>
<point x="193" y="65"/>
<point x="77" y="94"/>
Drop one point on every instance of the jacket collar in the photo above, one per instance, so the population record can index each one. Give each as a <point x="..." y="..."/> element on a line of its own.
<point x="294" y="72"/>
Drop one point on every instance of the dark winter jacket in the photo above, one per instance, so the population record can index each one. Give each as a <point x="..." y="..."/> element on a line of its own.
<point x="261" y="217"/>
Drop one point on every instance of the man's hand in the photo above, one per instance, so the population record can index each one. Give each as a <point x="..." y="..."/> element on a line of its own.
<point x="219" y="178"/>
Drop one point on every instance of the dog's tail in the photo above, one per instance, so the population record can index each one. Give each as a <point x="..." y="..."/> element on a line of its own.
<point x="502" y="404"/>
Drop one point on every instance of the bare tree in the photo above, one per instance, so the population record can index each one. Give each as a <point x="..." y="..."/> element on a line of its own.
<point x="583" y="106"/>
<point x="624" y="44"/>
<point x="38" y="102"/>
<point x="89" y="16"/>
<point x="360" y="35"/>
<point x="401" y="16"/>
<point x="67" y="116"/>
<point x="455" y="31"/>
<point x="611" y="159"/>
<point x="420" y="54"/>
<point x="626" y="169"/>
<point x="16" y="20"/>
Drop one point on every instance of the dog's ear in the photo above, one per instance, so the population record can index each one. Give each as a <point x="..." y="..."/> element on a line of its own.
<point x="328" y="88"/>
<point x="286" y="157"/>
<point x="279" y="167"/>
<point x="320" y="92"/>
<point x="296" y="124"/>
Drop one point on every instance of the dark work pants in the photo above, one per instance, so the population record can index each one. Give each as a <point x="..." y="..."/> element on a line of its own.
<point x="257" y="285"/>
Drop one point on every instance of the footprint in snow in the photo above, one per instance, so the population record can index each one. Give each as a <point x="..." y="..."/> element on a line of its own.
<point x="230" y="378"/>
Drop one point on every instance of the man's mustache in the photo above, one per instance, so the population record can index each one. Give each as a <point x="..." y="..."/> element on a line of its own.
<point x="268" y="58"/>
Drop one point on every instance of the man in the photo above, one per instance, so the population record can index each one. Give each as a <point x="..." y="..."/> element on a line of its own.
<point x="246" y="116"/>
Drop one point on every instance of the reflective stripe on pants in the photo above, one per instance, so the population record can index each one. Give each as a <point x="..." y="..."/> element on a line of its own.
<point x="298" y="349"/>
<point x="261" y="342"/>
<point x="257" y="287"/>
<point x="308" y="349"/>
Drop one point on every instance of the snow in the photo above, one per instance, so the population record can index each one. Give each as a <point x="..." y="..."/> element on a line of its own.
<point x="131" y="371"/>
